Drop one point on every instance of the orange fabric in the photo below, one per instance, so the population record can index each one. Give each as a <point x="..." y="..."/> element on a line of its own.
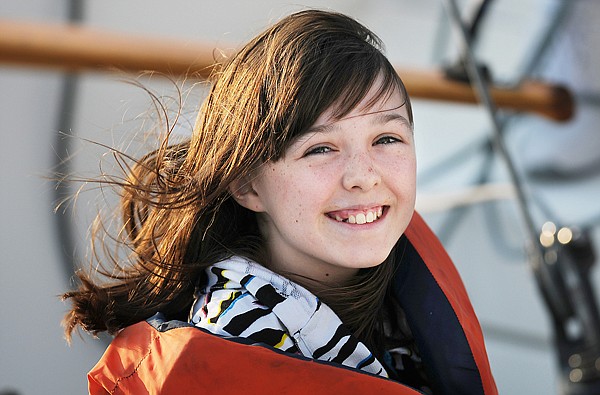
<point x="443" y="270"/>
<point x="142" y="360"/>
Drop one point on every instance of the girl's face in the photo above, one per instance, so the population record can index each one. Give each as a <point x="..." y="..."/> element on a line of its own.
<point x="341" y="196"/>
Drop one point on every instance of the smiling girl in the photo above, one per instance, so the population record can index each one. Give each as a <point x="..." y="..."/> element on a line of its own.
<point x="284" y="233"/>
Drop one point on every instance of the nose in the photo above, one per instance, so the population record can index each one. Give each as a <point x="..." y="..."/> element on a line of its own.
<point x="360" y="173"/>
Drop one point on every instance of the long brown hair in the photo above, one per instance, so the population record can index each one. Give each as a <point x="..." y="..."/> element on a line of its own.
<point x="178" y="215"/>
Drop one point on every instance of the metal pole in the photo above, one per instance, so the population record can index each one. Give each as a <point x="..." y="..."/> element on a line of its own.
<point x="482" y="90"/>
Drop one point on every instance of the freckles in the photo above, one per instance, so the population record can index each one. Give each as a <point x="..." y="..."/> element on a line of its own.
<point x="298" y="211"/>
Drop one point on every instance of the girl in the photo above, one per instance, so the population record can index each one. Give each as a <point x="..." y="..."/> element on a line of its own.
<point x="282" y="234"/>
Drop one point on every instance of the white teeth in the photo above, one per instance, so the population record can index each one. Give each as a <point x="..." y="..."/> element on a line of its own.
<point x="361" y="219"/>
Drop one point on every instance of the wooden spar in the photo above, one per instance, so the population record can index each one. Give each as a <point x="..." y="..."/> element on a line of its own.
<point x="79" y="48"/>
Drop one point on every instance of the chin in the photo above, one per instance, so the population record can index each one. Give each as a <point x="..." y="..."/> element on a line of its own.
<point x="369" y="262"/>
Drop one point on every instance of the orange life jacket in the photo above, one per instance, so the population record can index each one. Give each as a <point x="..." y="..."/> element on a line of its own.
<point x="153" y="357"/>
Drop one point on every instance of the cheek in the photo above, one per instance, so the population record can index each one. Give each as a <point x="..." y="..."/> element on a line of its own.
<point x="283" y="190"/>
<point x="301" y="193"/>
<point x="402" y="176"/>
<point x="403" y="166"/>
<point x="411" y="171"/>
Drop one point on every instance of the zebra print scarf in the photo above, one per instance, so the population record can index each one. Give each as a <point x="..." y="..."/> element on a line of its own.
<point x="243" y="298"/>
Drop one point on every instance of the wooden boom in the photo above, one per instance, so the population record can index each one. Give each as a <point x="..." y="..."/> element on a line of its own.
<point x="78" y="48"/>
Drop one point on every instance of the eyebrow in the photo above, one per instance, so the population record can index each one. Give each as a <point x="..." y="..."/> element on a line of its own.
<point x="384" y="118"/>
<point x="381" y="119"/>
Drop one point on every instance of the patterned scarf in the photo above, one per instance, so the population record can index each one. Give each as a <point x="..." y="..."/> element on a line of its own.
<point x="243" y="298"/>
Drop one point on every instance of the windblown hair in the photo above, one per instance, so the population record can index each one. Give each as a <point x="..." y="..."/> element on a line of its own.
<point x="177" y="212"/>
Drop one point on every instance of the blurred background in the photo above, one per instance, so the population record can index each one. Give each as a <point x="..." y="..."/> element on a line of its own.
<point x="465" y="187"/>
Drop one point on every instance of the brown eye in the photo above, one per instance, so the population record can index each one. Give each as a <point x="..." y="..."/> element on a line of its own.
<point x="318" y="150"/>
<point x="387" y="140"/>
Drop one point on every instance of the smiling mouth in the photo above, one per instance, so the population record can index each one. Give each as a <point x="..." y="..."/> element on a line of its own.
<point x="358" y="217"/>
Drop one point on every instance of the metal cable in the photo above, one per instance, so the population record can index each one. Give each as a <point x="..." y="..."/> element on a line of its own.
<point x="482" y="91"/>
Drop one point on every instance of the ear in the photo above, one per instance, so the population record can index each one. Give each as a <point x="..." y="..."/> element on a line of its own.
<point x="244" y="194"/>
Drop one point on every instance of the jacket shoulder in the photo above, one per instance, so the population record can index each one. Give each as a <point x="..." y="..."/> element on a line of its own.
<point x="186" y="359"/>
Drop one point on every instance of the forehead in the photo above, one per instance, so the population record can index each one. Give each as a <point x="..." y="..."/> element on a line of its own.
<point x="389" y="103"/>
